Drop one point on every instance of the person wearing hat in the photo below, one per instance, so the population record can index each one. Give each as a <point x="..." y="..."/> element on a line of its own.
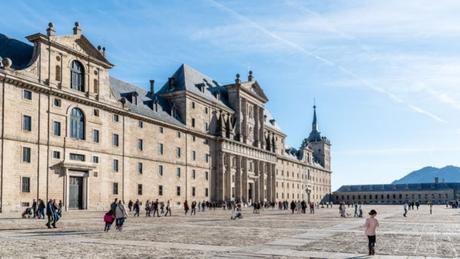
<point x="370" y="226"/>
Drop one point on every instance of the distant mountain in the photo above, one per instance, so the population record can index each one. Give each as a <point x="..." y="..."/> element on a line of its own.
<point x="427" y="174"/>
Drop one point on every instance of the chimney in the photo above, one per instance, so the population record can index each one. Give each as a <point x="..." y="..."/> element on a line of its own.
<point x="50" y="31"/>
<point x="171" y="83"/>
<point x="152" y="89"/>
<point x="250" y="77"/>
<point x="77" y="29"/>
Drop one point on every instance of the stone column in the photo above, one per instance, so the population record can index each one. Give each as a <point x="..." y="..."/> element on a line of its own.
<point x="244" y="178"/>
<point x="256" y="126"/>
<point x="257" y="181"/>
<point x="227" y="178"/>
<point x="261" y="128"/>
<point x="261" y="181"/>
<point x="238" y="182"/>
<point x="273" y="186"/>
<point x="269" y="182"/>
<point x="220" y="178"/>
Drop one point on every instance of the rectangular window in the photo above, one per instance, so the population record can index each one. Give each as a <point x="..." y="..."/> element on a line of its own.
<point x="141" y="124"/>
<point x="27" y="123"/>
<point x="25" y="184"/>
<point x="193" y="138"/>
<point x="206" y="126"/>
<point x="206" y="192"/>
<point x="115" y="140"/>
<point x="193" y="105"/>
<point x="178" y="190"/>
<point x="26" y="154"/>
<point x="116" y="118"/>
<point x="160" y="170"/>
<point x="206" y="110"/>
<point x="115" y="189"/>
<point x="77" y="157"/>
<point x="206" y="158"/>
<point x="140" y="144"/>
<point x="26" y="94"/>
<point x="160" y="190"/>
<point x="178" y="152"/>
<point x="178" y="134"/>
<point x="193" y="123"/>
<point x="57" y="102"/>
<point x="56" y="155"/>
<point x="206" y="175"/>
<point x="115" y="165"/>
<point x="140" y="168"/>
<point x="96" y="159"/>
<point x="193" y="155"/>
<point x="178" y="172"/>
<point x="160" y="149"/>
<point x="193" y="191"/>
<point x="96" y="112"/>
<point x="56" y="128"/>
<point x="139" y="189"/>
<point x="193" y="174"/>
<point x="161" y="130"/>
<point x="95" y="136"/>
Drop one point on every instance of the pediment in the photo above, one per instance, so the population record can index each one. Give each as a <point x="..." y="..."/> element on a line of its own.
<point x="82" y="45"/>
<point x="254" y="89"/>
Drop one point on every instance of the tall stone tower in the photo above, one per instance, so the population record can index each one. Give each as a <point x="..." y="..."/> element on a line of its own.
<point x="321" y="145"/>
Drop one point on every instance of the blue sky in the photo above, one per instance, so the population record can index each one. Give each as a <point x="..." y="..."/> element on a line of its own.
<point x="385" y="74"/>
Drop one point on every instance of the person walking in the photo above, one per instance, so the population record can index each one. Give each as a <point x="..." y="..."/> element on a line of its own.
<point x="193" y="212"/>
<point x="41" y="209"/>
<point x="147" y="208"/>
<point x="168" y="209"/>
<point x="34" y="208"/>
<point x="406" y="207"/>
<point x="156" y="210"/>
<point x="186" y="208"/>
<point x="136" y="208"/>
<point x="293" y="205"/>
<point x="370" y="226"/>
<point x="120" y="215"/>
<point x="113" y="206"/>
<point x="431" y="208"/>
<point x="50" y="212"/>
<point x="108" y="219"/>
<point x="130" y="205"/>
<point x="356" y="210"/>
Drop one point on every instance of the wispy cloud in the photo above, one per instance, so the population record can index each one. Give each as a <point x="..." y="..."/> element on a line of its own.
<point x="299" y="48"/>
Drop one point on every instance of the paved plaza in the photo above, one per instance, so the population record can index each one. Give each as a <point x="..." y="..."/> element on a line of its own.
<point x="272" y="233"/>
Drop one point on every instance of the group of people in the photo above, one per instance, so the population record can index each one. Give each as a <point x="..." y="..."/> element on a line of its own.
<point x="116" y="213"/>
<point x="38" y="210"/>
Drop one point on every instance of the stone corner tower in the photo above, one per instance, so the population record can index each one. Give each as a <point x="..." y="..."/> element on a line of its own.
<point x="320" y="145"/>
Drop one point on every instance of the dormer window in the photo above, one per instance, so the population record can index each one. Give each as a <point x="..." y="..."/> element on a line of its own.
<point x="77" y="76"/>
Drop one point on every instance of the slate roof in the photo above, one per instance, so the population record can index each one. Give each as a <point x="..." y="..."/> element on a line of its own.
<point x="189" y="79"/>
<point x="121" y="89"/>
<point x="270" y="122"/>
<point x="19" y="52"/>
<point x="399" y="187"/>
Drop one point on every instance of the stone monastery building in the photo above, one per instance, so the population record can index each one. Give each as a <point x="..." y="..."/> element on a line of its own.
<point x="71" y="132"/>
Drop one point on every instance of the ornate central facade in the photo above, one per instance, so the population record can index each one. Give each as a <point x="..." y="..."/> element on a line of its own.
<point x="71" y="132"/>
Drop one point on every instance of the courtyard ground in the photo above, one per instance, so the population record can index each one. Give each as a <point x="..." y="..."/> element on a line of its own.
<point x="272" y="233"/>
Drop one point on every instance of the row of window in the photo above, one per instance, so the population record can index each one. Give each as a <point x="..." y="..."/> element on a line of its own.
<point x="388" y="196"/>
<point x="161" y="190"/>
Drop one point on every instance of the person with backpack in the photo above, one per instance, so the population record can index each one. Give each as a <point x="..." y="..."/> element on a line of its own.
<point x="120" y="216"/>
<point x="108" y="219"/>
<point x="186" y="208"/>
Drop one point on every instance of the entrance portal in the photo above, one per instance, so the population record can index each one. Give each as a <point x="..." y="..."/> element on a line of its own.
<point x="250" y="189"/>
<point x="75" y="192"/>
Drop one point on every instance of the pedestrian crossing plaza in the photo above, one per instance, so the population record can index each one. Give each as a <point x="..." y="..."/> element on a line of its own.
<point x="272" y="233"/>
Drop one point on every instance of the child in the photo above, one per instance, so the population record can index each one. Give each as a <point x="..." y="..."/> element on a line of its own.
<point x="108" y="219"/>
<point x="371" y="224"/>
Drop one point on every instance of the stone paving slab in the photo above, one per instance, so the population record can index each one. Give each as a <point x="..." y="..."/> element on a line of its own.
<point x="211" y="234"/>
